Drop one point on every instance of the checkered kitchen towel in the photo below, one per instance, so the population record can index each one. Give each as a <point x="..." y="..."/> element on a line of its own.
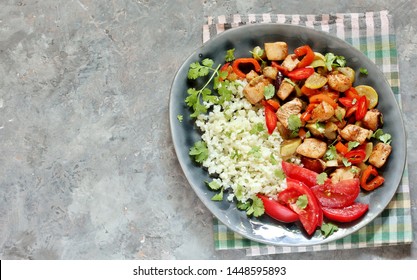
<point x="373" y="34"/>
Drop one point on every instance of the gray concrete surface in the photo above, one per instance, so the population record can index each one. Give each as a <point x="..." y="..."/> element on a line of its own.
<point x="87" y="166"/>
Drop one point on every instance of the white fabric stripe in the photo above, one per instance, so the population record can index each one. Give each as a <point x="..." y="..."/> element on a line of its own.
<point x="206" y="33"/>
<point x="209" y="20"/>
<point x="325" y="23"/>
<point x="295" y="19"/>
<point x="370" y="33"/>
<point x="340" y="26"/>
<point x="221" y="19"/>
<point x="266" y="18"/>
<point x="237" y="18"/>
<point x="219" y="28"/>
<point x="251" y="18"/>
<point x="310" y="21"/>
<point x="281" y="18"/>
<point x="355" y="30"/>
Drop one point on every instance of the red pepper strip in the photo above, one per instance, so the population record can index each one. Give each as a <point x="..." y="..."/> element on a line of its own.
<point x="271" y="118"/>
<point x="306" y="116"/>
<point x="318" y="98"/>
<point x="374" y="183"/>
<point x="362" y="108"/>
<point x="346" y="101"/>
<point x="342" y="149"/>
<point x="355" y="156"/>
<point x="274" y="104"/>
<point x="282" y="69"/>
<point x="224" y="69"/>
<point x="308" y="91"/>
<point x="308" y="56"/>
<point x="352" y="93"/>
<point x="351" y="110"/>
<point x="247" y="60"/>
<point x="301" y="73"/>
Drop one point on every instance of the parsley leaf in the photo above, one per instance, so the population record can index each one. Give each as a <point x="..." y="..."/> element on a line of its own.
<point x="334" y="61"/>
<point x="197" y="70"/>
<point x="257" y="207"/>
<point x="352" y="144"/>
<point x="331" y="153"/>
<point x="321" y="178"/>
<point x="214" y="185"/>
<point x="257" y="53"/>
<point x="180" y="117"/>
<point x="346" y="162"/>
<point x="294" y="122"/>
<point x="230" y="55"/>
<point x="269" y="91"/>
<point x="328" y="229"/>
<point x="363" y="71"/>
<point x="199" y="151"/>
<point x="218" y="196"/>
<point x="381" y="136"/>
<point x="243" y="206"/>
<point x="302" y="201"/>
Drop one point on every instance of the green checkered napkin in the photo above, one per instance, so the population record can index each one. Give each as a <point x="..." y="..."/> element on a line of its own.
<point x="373" y="34"/>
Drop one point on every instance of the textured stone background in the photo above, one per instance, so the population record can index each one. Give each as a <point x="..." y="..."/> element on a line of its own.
<point x="87" y="167"/>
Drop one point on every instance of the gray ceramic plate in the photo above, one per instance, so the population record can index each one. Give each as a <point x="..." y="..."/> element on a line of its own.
<point x="184" y="134"/>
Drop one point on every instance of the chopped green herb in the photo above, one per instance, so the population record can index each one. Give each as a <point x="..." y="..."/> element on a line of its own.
<point x="257" y="53"/>
<point x="280" y="174"/>
<point x="269" y="91"/>
<point x="328" y="229"/>
<point x="331" y="153"/>
<point x="197" y="70"/>
<point x="257" y="207"/>
<point x="257" y="128"/>
<point x="352" y="144"/>
<point x="199" y="151"/>
<point x="302" y="201"/>
<point x="346" y="162"/>
<point x="294" y="122"/>
<point x="218" y="196"/>
<point x="180" y="117"/>
<point x="363" y="71"/>
<point x="381" y="136"/>
<point x="214" y="185"/>
<point x="290" y="82"/>
<point x="321" y="178"/>
<point x="243" y="205"/>
<point x="230" y="55"/>
<point x="334" y="61"/>
<point x="273" y="160"/>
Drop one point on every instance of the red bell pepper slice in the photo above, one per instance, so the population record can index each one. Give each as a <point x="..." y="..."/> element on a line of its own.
<point x="341" y="148"/>
<point x="271" y="118"/>
<point x="318" y="98"/>
<point x="355" y="156"/>
<point x="362" y="108"/>
<point x="299" y="173"/>
<point x="301" y="73"/>
<point x="352" y="93"/>
<point x="347" y="101"/>
<point x="278" y="211"/>
<point x="311" y="216"/>
<point x="237" y="63"/>
<point x="308" y="54"/>
<point x="308" y="91"/>
<point x="368" y="183"/>
<point x="345" y="214"/>
<point x="337" y="195"/>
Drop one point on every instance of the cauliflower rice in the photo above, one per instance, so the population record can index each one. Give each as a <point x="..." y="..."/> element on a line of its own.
<point x="242" y="155"/>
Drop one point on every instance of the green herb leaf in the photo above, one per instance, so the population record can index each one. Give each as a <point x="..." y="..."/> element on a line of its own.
<point x="280" y="174"/>
<point x="321" y="178"/>
<point x="257" y="128"/>
<point x="294" y="122"/>
<point x="273" y="160"/>
<point x="230" y="55"/>
<point x="257" y="53"/>
<point x="256" y="151"/>
<point x="197" y="70"/>
<point x="269" y="91"/>
<point x="381" y="136"/>
<point x="334" y="61"/>
<point x="199" y="151"/>
<point x="328" y="229"/>
<point x="243" y="206"/>
<point x="331" y="153"/>
<point x="302" y="201"/>
<point x="346" y="162"/>
<point x="180" y="117"/>
<point x="214" y="185"/>
<point x="218" y="196"/>
<point x="363" y="71"/>
<point x="352" y="145"/>
<point x="257" y="207"/>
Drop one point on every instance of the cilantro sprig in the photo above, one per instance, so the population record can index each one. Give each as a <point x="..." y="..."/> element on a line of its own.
<point x="334" y="61"/>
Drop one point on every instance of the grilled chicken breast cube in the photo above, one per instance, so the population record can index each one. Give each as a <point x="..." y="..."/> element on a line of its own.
<point x="352" y="132"/>
<point x="276" y="50"/>
<point x="270" y="72"/>
<point x="373" y="119"/>
<point x="285" y="90"/>
<point x="251" y="75"/>
<point x="290" y="62"/>
<point x="345" y="173"/>
<point x="292" y="107"/>
<point x="312" y="148"/>
<point x="254" y="91"/>
<point x="323" y="112"/>
<point x="339" y="81"/>
<point x="380" y="154"/>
